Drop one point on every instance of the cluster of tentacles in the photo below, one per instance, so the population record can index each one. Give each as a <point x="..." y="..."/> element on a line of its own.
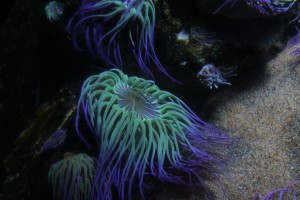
<point x="271" y="7"/>
<point x="72" y="177"/>
<point x="290" y="191"/>
<point x="108" y="28"/>
<point x="141" y="132"/>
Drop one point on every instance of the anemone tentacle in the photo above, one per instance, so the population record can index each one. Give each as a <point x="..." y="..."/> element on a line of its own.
<point x="293" y="43"/>
<point x="271" y="7"/>
<point x="143" y="131"/>
<point x="290" y="191"/>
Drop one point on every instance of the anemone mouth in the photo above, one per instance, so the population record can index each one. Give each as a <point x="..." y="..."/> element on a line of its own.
<point x="134" y="99"/>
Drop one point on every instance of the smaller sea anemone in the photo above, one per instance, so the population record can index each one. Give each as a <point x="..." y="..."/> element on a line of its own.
<point x="213" y="76"/>
<point x="72" y="177"/>
<point x="54" y="10"/>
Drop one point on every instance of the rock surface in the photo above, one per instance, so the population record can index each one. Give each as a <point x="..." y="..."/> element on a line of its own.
<point x="265" y="119"/>
<point x="26" y="168"/>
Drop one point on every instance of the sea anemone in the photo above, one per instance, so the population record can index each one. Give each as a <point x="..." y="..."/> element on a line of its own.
<point x="72" y="177"/>
<point x="271" y="7"/>
<point x="142" y="131"/>
<point x="54" y="10"/>
<point x="213" y="76"/>
<point x="102" y="26"/>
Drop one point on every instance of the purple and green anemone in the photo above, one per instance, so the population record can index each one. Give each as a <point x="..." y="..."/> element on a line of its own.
<point x="54" y="10"/>
<point x="72" y="177"/>
<point x="270" y="7"/>
<point x="110" y="29"/>
<point x="142" y="133"/>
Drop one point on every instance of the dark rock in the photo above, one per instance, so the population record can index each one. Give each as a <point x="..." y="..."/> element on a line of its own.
<point x="26" y="168"/>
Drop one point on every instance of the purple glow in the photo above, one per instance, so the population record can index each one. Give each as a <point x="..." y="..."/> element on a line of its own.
<point x="54" y="141"/>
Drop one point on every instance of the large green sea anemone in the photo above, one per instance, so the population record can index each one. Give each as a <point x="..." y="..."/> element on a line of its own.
<point x="142" y="131"/>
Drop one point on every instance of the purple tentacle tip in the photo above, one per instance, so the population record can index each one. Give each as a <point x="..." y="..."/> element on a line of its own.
<point x="54" y="141"/>
<point x="294" y="43"/>
<point x="290" y="191"/>
<point x="268" y="7"/>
